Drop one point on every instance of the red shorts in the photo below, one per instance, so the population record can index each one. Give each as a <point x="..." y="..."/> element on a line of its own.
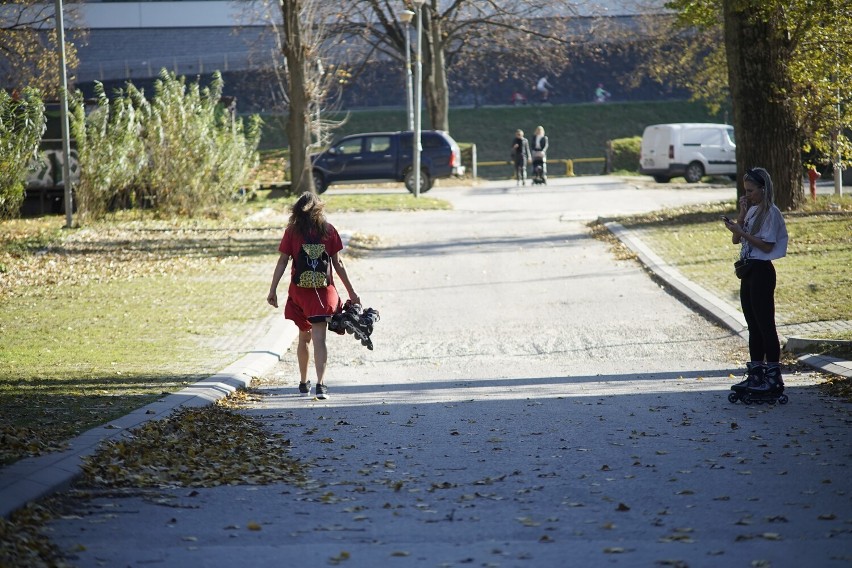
<point x="310" y="305"/>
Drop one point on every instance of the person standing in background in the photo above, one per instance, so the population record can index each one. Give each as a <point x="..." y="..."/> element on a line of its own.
<point x="520" y="156"/>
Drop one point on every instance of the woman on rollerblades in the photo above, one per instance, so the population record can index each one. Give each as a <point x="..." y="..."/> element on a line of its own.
<point x="762" y="235"/>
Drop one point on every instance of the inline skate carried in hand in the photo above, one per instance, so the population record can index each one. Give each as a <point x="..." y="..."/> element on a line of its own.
<point x="351" y="319"/>
<point x="763" y="384"/>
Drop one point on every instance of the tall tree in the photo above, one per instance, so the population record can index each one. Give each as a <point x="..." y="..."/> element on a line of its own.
<point x="782" y="65"/>
<point x="299" y="116"/>
<point x="758" y="49"/>
<point x="29" y="56"/>
<point x="303" y="86"/>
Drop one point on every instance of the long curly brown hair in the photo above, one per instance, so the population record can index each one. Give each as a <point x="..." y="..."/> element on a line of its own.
<point x="308" y="216"/>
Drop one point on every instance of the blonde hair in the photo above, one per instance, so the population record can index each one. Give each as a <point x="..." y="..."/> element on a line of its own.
<point x="761" y="178"/>
<point x="539" y="129"/>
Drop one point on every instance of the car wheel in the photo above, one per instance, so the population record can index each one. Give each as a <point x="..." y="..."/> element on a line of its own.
<point x="694" y="172"/>
<point x="662" y="179"/>
<point x="319" y="182"/>
<point x="425" y="181"/>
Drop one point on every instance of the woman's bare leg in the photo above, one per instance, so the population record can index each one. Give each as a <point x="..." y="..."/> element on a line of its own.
<point x="320" y="351"/>
<point x="303" y="354"/>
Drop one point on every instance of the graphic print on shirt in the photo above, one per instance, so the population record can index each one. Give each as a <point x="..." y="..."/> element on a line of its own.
<point x="312" y="265"/>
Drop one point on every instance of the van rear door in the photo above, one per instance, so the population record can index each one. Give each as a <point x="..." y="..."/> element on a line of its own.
<point x="654" y="154"/>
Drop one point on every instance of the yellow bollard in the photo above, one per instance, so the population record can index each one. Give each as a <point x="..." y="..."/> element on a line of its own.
<point x="569" y="168"/>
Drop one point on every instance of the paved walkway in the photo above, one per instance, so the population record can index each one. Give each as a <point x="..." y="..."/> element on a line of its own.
<point x="815" y="329"/>
<point x="495" y="436"/>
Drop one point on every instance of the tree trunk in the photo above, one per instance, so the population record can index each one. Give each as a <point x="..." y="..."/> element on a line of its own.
<point x="298" y="118"/>
<point x="435" y="72"/>
<point x="764" y="121"/>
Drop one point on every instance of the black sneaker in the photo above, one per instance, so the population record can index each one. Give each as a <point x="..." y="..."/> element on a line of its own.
<point x="305" y="389"/>
<point x="322" y="392"/>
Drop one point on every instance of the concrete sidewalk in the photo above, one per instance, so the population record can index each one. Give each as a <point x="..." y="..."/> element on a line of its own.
<point x="32" y="478"/>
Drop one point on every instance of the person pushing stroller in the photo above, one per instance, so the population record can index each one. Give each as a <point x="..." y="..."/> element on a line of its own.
<point x="538" y="148"/>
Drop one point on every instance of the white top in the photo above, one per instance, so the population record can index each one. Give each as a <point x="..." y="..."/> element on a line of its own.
<point x="773" y="230"/>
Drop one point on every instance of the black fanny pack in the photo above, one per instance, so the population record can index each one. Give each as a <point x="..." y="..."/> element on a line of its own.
<point x="743" y="267"/>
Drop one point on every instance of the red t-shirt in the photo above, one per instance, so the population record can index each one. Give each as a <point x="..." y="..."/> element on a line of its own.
<point x="305" y="303"/>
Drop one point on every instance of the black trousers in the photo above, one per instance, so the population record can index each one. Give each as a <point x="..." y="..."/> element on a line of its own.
<point x="757" y="297"/>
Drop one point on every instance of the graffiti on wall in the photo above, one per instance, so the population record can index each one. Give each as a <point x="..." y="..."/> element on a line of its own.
<point x="47" y="171"/>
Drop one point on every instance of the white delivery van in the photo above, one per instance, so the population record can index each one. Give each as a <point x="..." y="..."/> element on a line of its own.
<point x="691" y="150"/>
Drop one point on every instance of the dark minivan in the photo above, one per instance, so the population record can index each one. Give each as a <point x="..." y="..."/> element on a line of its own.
<point x="387" y="156"/>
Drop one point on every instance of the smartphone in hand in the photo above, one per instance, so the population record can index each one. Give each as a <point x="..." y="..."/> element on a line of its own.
<point x="726" y="219"/>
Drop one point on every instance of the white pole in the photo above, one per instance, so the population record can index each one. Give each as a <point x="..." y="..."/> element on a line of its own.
<point x="838" y="170"/>
<point x="408" y="87"/>
<point x="63" y="113"/>
<point x="418" y="80"/>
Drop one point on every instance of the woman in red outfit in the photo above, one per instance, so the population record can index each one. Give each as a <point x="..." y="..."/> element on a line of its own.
<point x="312" y="297"/>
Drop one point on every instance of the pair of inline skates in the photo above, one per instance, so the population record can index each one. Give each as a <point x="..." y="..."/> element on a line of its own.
<point x="351" y="319"/>
<point x="762" y="384"/>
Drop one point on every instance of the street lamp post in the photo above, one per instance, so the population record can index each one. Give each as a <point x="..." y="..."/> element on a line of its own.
<point x="63" y="98"/>
<point x="418" y="85"/>
<point x="405" y="17"/>
<point x="318" y="123"/>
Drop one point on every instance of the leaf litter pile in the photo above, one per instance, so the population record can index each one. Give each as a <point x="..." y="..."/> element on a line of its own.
<point x="22" y="542"/>
<point x="33" y="256"/>
<point x="18" y="441"/>
<point x="205" y="447"/>
<point x="194" y="447"/>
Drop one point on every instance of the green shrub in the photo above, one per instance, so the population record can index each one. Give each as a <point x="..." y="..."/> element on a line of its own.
<point x="22" y="122"/>
<point x="178" y="152"/>
<point x="110" y="150"/>
<point x="625" y="153"/>
<point x="198" y="157"/>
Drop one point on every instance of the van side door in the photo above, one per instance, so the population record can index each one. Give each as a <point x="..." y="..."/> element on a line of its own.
<point x="711" y="143"/>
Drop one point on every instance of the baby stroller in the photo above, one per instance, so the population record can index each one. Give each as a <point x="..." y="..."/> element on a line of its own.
<point x="539" y="172"/>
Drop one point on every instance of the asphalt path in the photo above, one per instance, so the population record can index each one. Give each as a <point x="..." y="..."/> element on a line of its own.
<point x="530" y="401"/>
